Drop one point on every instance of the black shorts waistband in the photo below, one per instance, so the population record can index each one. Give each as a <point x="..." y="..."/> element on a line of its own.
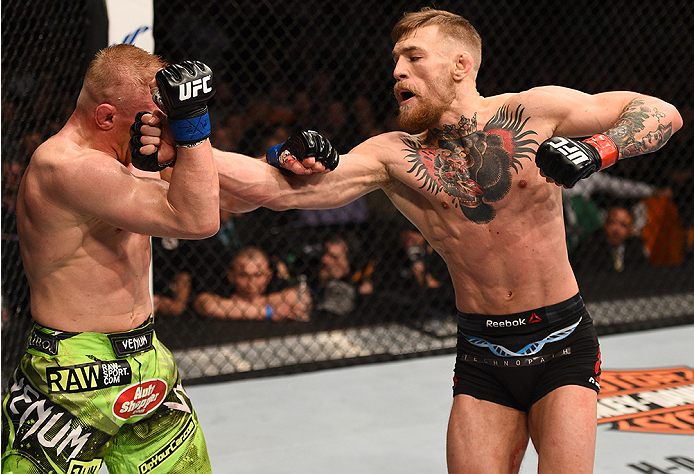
<point x="525" y="321"/>
<point x="134" y="341"/>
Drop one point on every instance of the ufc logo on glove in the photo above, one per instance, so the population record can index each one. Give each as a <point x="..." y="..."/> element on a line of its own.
<point x="572" y="152"/>
<point x="192" y="89"/>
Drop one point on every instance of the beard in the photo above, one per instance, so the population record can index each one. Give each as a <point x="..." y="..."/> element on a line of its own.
<point x="426" y="112"/>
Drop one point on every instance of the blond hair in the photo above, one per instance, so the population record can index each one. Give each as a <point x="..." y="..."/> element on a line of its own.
<point x="451" y="25"/>
<point x="117" y="71"/>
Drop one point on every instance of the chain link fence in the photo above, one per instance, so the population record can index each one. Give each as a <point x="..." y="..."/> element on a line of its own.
<point x="289" y="65"/>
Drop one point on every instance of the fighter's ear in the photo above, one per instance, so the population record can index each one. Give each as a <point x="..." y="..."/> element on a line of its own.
<point x="463" y="65"/>
<point x="104" y="115"/>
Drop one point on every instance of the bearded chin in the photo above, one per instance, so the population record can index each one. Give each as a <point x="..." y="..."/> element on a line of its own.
<point x="417" y="119"/>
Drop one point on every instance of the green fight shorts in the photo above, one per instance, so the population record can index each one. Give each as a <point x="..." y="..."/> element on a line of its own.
<point x="80" y="399"/>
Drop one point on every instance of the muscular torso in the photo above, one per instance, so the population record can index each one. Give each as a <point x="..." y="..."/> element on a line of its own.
<point x="476" y="194"/>
<point x="85" y="275"/>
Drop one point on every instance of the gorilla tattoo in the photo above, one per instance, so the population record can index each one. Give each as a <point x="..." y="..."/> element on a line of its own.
<point x="474" y="167"/>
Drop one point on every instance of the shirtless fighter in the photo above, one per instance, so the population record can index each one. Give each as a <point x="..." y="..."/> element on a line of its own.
<point x="528" y="361"/>
<point x="95" y="384"/>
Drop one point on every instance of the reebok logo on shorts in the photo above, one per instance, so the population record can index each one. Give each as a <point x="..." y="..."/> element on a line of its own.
<point x="508" y="323"/>
<point x="87" y="377"/>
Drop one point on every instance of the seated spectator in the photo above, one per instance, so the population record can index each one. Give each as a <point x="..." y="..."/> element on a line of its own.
<point x="336" y="294"/>
<point x="614" y="247"/>
<point x="182" y="268"/>
<point x="172" y="276"/>
<point x="254" y="294"/>
<point x="582" y="209"/>
<point x="412" y="267"/>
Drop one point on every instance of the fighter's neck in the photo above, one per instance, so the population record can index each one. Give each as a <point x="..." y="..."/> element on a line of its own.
<point x="460" y="120"/>
<point x="81" y="132"/>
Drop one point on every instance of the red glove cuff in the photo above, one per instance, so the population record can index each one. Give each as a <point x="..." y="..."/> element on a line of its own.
<point x="606" y="148"/>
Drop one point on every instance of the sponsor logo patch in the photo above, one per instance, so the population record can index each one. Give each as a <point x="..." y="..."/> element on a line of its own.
<point x="84" y="467"/>
<point x="42" y="425"/>
<point x="43" y="343"/>
<point x="140" y="399"/>
<point x="165" y="453"/>
<point x="87" y="377"/>
<point x="653" y="400"/>
<point x="132" y="342"/>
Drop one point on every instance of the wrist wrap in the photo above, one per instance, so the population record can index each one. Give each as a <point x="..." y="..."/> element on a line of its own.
<point x="606" y="149"/>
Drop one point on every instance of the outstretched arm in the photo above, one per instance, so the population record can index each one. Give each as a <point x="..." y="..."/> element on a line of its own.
<point x="254" y="182"/>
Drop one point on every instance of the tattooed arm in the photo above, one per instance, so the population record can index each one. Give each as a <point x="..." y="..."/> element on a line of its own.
<point x="645" y="125"/>
<point x="637" y="123"/>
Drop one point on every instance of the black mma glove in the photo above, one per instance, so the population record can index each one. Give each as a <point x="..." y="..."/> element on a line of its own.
<point x="140" y="161"/>
<point x="303" y="145"/>
<point x="183" y="92"/>
<point x="566" y="160"/>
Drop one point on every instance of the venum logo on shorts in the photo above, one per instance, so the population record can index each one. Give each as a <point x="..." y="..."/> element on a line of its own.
<point x="86" y="377"/>
<point x="36" y="419"/>
<point x="654" y="400"/>
<point x="140" y="399"/>
<point x="133" y="342"/>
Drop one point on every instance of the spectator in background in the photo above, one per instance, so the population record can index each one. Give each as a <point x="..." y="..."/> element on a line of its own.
<point x="365" y="119"/>
<point x="413" y="268"/>
<point x="183" y="268"/>
<point x="613" y="248"/>
<point x="173" y="282"/>
<point x="336" y="126"/>
<point x="212" y="255"/>
<point x="228" y="136"/>
<point x="254" y="294"/>
<point x="583" y="215"/>
<point x="336" y="293"/>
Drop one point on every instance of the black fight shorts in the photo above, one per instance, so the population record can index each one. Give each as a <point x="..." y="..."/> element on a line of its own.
<point x="517" y="359"/>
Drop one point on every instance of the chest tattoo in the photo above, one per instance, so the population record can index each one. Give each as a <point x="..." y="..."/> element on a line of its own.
<point x="473" y="167"/>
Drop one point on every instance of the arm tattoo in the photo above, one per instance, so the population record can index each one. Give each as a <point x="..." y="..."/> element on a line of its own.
<point x="632" y="122"/>
<point x="473" y="167"/>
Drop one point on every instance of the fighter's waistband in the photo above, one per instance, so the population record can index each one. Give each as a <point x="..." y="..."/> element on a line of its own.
<point x="120" y="344"/>
<point x="525" y="321"/>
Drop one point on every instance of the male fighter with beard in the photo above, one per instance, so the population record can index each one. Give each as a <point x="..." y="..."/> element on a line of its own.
<point x="528" y="362"/>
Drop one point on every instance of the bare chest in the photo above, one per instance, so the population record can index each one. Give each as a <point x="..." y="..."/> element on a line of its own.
<point x="480" y="174"/>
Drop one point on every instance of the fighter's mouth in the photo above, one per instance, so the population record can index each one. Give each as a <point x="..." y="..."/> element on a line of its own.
<point x="405" y="95"/>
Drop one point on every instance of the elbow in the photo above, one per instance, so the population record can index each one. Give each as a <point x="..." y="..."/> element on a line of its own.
<point x="677" y="121"/>
<point x="674" y="115"/>
<point x="200" y="306"/>
<point x="205" y="228"/>
<point x="210" y="228"/>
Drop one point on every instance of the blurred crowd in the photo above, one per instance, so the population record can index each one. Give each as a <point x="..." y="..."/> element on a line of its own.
<point x="326" y="262"/>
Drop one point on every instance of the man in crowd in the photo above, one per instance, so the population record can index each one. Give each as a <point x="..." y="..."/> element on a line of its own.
<point x="255" y="293"/>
